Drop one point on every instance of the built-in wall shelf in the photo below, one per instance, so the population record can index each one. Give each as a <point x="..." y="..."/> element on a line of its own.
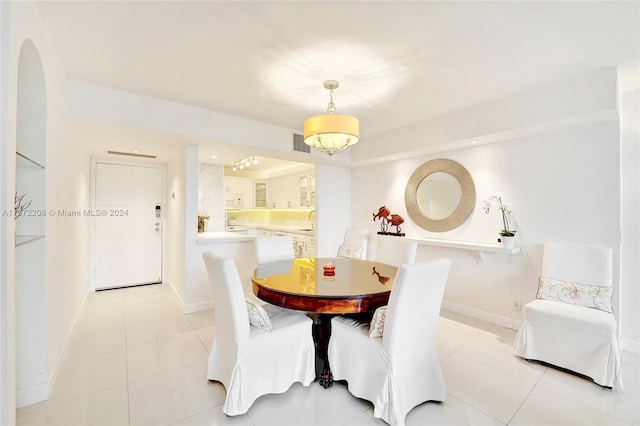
<point x="481" y="248"/>
<point x="24" y="239"/>
<point x="23" y="161"/>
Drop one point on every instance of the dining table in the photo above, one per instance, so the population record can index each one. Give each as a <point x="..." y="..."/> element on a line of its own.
<point x="324" y="288"/>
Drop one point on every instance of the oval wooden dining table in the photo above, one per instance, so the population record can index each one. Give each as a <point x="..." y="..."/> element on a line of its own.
<point x="353" y="286"/>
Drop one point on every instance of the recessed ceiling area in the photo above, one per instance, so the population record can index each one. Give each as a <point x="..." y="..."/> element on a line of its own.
<point x="267" y="168"/>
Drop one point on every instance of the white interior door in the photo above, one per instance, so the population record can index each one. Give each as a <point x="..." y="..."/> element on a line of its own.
<point x="128" y="210"/>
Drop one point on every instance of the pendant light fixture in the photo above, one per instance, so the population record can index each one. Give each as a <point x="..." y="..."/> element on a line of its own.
<point x="331" y="132"/>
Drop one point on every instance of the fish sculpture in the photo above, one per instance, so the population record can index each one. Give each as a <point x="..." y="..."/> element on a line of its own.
<point x="383" y="213"/>
<point x="396" y="220"/>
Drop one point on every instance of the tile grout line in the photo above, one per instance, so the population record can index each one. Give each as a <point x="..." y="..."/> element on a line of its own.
<point x="527" y="397"/>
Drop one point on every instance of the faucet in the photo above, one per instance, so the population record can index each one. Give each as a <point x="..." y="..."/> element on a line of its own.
<point x="312" y="222"/>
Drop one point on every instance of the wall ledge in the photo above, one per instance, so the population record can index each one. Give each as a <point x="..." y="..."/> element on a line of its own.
<point x="481" y="248"/>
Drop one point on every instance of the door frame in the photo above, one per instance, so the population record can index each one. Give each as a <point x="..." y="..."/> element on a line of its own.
<point x="92" y="224"/>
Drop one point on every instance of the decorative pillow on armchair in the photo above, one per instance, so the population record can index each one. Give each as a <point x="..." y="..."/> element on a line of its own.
<point x="376" y="328"/>
<point x="590" y="296"/>
<point x="352" y="252"/>
<point x="258" y="317"/>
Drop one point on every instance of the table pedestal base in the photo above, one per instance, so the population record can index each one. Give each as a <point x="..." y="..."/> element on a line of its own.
<point x="321" y="335"/>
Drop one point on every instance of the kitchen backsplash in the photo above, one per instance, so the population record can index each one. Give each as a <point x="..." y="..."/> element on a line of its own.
<point x="298" y="218"/>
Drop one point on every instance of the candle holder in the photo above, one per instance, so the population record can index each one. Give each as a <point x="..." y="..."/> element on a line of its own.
<point x="329" y="269"/>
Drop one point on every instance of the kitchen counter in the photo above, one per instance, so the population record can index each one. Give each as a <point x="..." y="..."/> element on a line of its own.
<point x="240" y="233"/>
<point x="275" y="228"/>
<point x="222" y="236"/>
<point x="285" y="228"/>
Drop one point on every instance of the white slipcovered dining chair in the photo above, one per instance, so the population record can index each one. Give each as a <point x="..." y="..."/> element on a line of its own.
<point x="355" y="243"/>
<point x="571" y="324"/>
<point x="399" y="370"/>
<point x="271" y="249"/>
<point x="251" y="361"/>
<point x="396" y="251"/>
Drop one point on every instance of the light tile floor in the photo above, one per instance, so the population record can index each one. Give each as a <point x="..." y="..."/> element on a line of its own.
<point x="135" y="359"/>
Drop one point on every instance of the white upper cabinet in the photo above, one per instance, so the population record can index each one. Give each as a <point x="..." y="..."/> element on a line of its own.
<point x="239" y="192"/>
<point x="282" y="192"/>
<point x="307" y="190"/>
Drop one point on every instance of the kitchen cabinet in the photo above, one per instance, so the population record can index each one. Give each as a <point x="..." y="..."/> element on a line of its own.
<point x="239" y="192"/>
<point x="233" y="185"/>
<point x="260" y="193"/>
<point x="307" y="190"/>
<point x="274" y="194"/>
<point x="283" y="192"/>
<point x="304" y="245"/>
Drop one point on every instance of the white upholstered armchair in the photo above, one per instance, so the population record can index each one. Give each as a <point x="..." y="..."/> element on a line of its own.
<point x="571" y="324"/>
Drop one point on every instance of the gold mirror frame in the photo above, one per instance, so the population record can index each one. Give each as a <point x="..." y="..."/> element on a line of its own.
<point x="460" y="214"/>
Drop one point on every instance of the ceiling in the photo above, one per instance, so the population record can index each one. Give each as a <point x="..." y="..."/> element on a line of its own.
<point x="398" y="63"/>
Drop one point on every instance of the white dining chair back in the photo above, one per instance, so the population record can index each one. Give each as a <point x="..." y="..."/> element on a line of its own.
<point x="228" y="298"/>
<point x="355" y="243"/>
<point x="271" y="249"/>
<point x="558" y="329"/>
<point x="396" y="251"/>
<point x="251" y="361"/>
<point x="401" y="369"/>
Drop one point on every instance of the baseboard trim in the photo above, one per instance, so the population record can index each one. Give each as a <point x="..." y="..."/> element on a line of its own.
<point x="197" y="307"/>
<point x="32" y="394"/>
<point x="42" y="392"/>
<point x="175" y="291"/>
<point x="193" y="307"/>
<point x="630" y="346"/>
<point x="482" y="315"/>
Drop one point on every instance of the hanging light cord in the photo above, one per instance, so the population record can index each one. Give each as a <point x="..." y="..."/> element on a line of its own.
<point x="331" y="108"/>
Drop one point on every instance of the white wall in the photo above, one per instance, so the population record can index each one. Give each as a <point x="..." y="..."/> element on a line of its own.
<point x="129" y="109"/>
<point x="65" y="282"/>
<point x="198" y="294"/>
<point x="562" y="104"/>
<point x="557" y="161"/>
<point x="555" y="193"/>
<point x="630" y="247"/>
<point x="7" y="337"/>
<point x="175" y="222"/>
<point x="333" y="218"/>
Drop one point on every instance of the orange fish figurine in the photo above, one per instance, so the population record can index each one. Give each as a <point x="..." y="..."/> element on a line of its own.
<point x="396" y="220"/>
<point x="383" y="213"/>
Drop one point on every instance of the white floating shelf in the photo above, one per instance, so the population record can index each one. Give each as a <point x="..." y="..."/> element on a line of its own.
<point x="24" y="239"/>
<point x="481" y="248"/>
<point x="22" y="161"/>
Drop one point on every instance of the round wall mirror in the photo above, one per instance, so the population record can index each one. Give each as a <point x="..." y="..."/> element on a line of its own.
<point x="440" y="195"/>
